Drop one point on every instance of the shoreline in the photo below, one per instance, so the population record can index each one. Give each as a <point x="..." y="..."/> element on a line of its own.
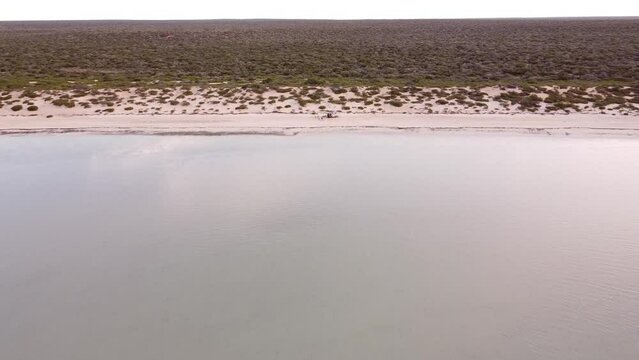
<point x="581" y="125"/>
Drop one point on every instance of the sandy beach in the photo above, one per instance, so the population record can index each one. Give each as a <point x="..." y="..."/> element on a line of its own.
<point x="293" y="124"/>
<point x="601" y="111"/>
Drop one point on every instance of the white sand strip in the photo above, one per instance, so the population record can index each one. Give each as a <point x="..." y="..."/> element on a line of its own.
<point x="289" y="124"/>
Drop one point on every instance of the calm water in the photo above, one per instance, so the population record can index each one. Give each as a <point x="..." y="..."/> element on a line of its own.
<point x="319" y="247"/>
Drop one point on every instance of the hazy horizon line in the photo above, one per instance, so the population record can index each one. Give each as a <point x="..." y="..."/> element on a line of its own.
<point x="330" y="19"/>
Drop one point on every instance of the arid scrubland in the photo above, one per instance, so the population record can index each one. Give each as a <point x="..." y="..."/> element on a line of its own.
<point x="261" y="66"/>
<point x="433" y="53"/>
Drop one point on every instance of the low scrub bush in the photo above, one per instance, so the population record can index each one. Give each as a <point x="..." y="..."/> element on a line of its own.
<point x="64" y="102"/>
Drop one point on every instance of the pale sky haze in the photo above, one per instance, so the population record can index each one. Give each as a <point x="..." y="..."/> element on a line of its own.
<point x="301" y="9"/>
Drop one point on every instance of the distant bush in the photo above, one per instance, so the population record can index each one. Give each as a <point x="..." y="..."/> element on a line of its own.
<point x="396" y="103"/>
<point x="64" y="102"/>
<point x="339" y="90"/>
<point x="30" y="94"/>
<point x="241" y="107"/>
<point x="530" y="102"/>
<point x="313" y="82"/>
<point x="16" y="108"/>
<point x="32" y="108"/>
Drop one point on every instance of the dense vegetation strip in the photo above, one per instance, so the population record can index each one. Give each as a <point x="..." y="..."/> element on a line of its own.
<point x="415" y="52"/>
